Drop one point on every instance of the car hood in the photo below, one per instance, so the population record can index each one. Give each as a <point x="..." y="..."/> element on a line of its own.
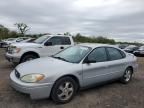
<point x="47" y="65"/>
<point x="26" y="44"/>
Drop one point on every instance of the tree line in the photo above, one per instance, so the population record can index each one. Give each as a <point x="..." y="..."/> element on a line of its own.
<point x="6" y="33"/>
<point x="99" y="39"/>
<point x="23" y="28"/>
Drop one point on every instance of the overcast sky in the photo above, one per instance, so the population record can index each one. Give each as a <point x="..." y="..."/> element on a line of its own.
<point x="122" y="20"/>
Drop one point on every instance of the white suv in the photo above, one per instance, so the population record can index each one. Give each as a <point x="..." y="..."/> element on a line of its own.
<point x="44" y="46"/>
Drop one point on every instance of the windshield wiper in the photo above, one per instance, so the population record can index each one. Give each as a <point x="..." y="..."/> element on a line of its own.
<point x="60" y="58"/>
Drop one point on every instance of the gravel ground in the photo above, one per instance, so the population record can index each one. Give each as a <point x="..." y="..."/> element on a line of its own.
<point x="113" y="95"/>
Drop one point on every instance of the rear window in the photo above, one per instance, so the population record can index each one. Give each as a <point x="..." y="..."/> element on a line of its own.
<point x="66" y="41"/>
<point x="115" y="54"/>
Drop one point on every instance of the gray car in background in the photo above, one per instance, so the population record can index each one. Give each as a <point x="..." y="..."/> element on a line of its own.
<point x="62" y="75"/>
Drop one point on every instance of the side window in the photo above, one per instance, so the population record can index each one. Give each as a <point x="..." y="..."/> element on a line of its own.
<point x="114" y="54"/>
<point x="98" y="55"/>
<point x="19" y="40"/>
<point x="123" y="54"/>
<point x="55" y="40"/>
<point x="66" y="41"/>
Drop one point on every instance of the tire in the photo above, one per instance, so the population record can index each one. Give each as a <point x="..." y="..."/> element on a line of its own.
<point x="64" y="90"/>
<point x="28" y="57"/>
<point x="1" y="45"/>
<point x="126" y="78"/>
<point x="15" y="64"/>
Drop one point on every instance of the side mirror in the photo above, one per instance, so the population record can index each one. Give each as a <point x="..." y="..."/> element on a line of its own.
<point x="48" y="44"/>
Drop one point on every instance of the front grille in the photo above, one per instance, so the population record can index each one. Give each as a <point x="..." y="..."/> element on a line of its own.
<point x="17" y="74"/>
<point x="4" y="43"/>
<point x="9" y="50"/>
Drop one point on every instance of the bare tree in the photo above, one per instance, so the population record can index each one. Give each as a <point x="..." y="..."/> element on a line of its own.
<point x="23" y="28"/>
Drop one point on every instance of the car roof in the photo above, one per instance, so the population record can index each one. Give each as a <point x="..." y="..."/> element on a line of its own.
<point x="10" y="38"/>
<point x="22" y="37"/>
<point x="94" y="45"/>
<point x="51" y="35"/>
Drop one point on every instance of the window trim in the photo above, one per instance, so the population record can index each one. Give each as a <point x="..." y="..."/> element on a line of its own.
<point x="123" y="56"/>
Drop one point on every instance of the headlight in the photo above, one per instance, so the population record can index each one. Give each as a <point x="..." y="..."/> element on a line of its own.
<point x="13" y="49"/>
<point x="32" y="78"/>
<point x="16" y="50"/>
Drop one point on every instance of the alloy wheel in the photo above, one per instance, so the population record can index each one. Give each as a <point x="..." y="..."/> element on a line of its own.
<point x="65" y="91"/>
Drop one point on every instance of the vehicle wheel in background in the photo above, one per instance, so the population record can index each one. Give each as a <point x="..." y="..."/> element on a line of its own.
<point x="28" y="57"/>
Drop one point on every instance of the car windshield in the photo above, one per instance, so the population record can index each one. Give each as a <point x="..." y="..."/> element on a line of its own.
<point x="20" y="39"/>
<point x="40" y="40"/>
<point x="73" y="54"/>
<point x="31" y="40"/>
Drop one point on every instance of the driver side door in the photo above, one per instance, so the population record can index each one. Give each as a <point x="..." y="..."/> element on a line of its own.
<point x="53" y="45"/>
<point x="96" y="69"/>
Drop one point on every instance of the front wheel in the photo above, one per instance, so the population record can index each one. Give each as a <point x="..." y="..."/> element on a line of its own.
<point x="126" y="78"/>
<point x="64" y="90"/>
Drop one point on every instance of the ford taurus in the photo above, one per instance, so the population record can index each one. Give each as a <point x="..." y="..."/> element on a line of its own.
<point x="63" y="74"/>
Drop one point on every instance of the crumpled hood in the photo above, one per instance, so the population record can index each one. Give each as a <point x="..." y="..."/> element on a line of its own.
<point x="46" y="65"/>
<point x="26" y="44"/>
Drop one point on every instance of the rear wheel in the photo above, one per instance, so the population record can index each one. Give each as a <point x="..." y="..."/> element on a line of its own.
<point x="64" y="90"/>
<point x="126" y="78"/>
<point x="28" y="57"/>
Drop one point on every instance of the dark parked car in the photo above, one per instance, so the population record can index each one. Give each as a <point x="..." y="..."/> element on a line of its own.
<point x="131" y="49"/>
<point x="2" y="44"/>
<point x="139" y="52"/>
<point x="122" y="46"/>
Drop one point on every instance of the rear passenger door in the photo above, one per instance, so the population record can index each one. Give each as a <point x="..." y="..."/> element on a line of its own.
<point x="116" y="62"/>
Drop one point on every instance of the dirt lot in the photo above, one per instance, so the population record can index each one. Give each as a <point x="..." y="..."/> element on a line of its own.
<point x="114" y="95"/>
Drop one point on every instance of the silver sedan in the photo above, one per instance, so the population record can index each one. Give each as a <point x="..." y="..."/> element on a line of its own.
<point x="63" y="74"/>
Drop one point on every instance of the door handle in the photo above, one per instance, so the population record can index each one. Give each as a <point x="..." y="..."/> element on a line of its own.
<point x="61" y="47"/>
